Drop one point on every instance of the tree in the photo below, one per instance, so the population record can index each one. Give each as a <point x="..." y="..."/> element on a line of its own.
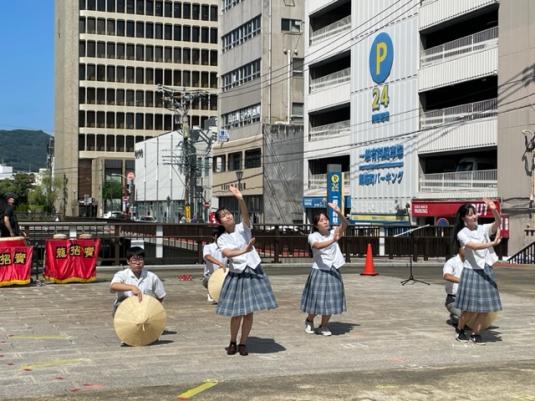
<point x="20" y="185"/>
<point x="111" y="190"/>
<point x="43" y="197"/>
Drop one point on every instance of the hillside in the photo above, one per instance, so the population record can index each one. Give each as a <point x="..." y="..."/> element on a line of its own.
<point x="23" y="149"/>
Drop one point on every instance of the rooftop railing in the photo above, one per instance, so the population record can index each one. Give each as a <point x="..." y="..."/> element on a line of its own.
<point x="319" y="181"/>
<point x="465" y="181"/>
<point x="329" y="130"/>
<point x="466" y="44"/>
<point x="337" y="27"/>
<point x="462" y="112"/>
<point x="328" y="80"/>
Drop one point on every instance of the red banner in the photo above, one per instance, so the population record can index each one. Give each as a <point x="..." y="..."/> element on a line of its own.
<point x="71" y="261"/>
<point x="15" y="265"/>
<point x="448" y="208"/>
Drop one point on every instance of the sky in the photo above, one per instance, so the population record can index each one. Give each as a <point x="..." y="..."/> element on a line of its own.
<point x="27" y="64"/>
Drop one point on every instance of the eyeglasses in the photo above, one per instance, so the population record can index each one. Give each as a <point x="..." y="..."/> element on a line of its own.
<point x="137" y="258"/>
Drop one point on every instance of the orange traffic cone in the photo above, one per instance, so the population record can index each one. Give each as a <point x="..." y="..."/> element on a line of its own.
<point x="369" y="268"/>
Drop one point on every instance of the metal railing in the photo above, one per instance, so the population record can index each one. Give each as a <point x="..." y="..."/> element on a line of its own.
<point x="462" y="112"/>
<point x="319" y="181"/>
<point x="340" y="26"/>
<point x="183" y="243"/>
<point x="459" y="181"/>
<point x="477" y="41"/>
<point x="526" y="255"/>
<point x="333" y="79"/>
<point x="329" y="130"/>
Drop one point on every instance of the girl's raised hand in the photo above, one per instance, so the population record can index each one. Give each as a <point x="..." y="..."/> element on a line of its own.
<point x="235" y="191"/>
<point x="490" y="203"/>
<point x="334" y="207"/>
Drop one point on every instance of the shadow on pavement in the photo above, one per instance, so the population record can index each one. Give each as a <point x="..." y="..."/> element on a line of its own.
<point x="339" y="328"/>
<point x="258" y="345"/>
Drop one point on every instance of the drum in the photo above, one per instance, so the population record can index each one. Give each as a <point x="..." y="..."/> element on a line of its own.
<point x="215" y="283"/>
<point x="12" y="241"/>
<point x="139" y="323"/>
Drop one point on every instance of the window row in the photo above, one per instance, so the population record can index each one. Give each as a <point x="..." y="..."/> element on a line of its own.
<point x="241" y="75"/>
<point x="109" y="143"/>
<point x="291" y="25"/>
<point x="233" y="161"/>
<point x="239" y="118"/>
<point x="241" y="34"/>
<point x="147" y="76"/>
<point x="166" y="54"/>
<point x="138" y="121"/>
<point x="147" y="30"/>
<point x="137" y="98"/>
<point x="228" y="4"/>
<point x="158" y="8"/>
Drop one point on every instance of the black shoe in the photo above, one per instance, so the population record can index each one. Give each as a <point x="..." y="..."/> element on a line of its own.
<point x="231" y="349"/>
<point x="476" y="339"/>
<point x="461" y="335"/>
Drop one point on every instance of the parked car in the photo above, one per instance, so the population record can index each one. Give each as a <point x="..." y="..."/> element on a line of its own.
<point x="114" y="214"/>
<point x="147" y="219"/>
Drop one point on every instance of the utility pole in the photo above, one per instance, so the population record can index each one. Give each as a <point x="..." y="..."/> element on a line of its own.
<point x="179" y="101"/>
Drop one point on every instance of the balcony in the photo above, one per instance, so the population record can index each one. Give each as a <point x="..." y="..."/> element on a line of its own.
<point x="460" y="113"/>
<point x="318" y="182"/>
<point x="338" y="27"/>
<point x="329" y="131"/>
<point x="475" y="42"/>
<point x="469" y="183"/>
<point x="334" y="79"/>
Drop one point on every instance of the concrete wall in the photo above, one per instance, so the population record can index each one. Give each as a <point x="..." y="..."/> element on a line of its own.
<point x="516" y="96"/>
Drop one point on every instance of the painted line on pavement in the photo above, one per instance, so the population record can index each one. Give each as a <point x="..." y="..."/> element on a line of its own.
<point x="192" y="392"/>
<point x="54" y="363"/>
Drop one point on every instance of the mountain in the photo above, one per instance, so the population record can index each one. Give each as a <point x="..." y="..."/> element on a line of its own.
<point x="24" y="150"/>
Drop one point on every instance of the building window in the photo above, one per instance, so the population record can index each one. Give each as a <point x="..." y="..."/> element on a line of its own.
<point x="218" y="165"/>
<point x="241" y="34"/>
<point x="297" y="112"/>
<point x="291" y="25"/>
<point x="241" y="75"/>
<point x="297" y="67"/>
<point x="239" y="118"/>
<point x="234" y="161"/>
<point x="253" y="158"/>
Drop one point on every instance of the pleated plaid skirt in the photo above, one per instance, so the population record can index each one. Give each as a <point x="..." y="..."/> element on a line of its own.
<point x="246" y="292"/>
<point x="324" y="293"/>
<point x="478" y="291"/>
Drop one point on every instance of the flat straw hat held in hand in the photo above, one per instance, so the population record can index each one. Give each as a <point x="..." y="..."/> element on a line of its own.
<point x="215" y="283"/>
<point x="139" y="323"/>
<point x="489" y="318"/>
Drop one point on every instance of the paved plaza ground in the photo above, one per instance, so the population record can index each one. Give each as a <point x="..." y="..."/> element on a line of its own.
<point x="57" y="343"/>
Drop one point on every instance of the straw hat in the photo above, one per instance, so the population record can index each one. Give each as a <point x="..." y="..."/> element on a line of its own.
<point x="59" y="236"/>
<point x="139" y="323"/>
<point x="85" y="236"/>
<point x="215" y="283"/>
<point x="13" y="241"/>
<point x="489" y="318"/>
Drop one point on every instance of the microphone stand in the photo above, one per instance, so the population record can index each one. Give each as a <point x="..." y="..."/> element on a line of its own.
<point x="411" y="276"/>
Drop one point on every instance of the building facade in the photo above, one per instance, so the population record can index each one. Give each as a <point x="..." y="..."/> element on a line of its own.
<point x="111" y="55"/>
<point x="261" y="108"/>
<point x="409" y="100"/>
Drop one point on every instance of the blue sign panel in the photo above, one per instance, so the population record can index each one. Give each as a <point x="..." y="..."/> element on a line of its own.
<point x="318" y="202"/>
<point x="381" y="165"/>
<point x="381" y="58"/>
<point x="334" y="194"/>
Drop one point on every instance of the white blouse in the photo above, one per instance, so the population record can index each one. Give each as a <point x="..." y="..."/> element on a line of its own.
<point x="330" y="256"/>
<point x="239" y="240"/>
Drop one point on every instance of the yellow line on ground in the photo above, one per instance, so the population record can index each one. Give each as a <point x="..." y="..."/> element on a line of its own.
<point x="56" y="362"/>
<point x="39" y="338"/>
<point x="192" y="392"/>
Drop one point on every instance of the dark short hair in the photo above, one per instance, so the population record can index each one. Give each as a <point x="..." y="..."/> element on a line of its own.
<point x="219" y="211"/>
<point x="10" y="195"/>
<point x="135" y="251"/>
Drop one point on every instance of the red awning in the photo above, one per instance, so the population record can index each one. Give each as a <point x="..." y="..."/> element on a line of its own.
<point x="423" y="208"/>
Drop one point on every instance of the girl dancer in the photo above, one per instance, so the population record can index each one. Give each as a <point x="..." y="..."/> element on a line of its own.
<point x="324" y="290"/>
<point x="477" y="294"/>
<point x="246" y="288"/>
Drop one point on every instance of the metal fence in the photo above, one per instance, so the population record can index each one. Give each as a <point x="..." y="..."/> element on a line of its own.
<point x="183" y="243"/>
<point x="342" y="25"/>
<point x="462" y="112"/>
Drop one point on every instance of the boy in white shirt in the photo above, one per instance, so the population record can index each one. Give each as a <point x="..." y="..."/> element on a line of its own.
<point x="213" y="259"/>
<point x="136" y="281"/>
<point x="452" y="274"/>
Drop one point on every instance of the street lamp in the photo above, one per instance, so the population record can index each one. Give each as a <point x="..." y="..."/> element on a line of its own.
<point x="239" y="176"/>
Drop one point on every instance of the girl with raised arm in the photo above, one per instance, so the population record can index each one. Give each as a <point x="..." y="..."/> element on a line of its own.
<point x="477" y="294"/>
<point x="246" y="288"/>
<point x="324" y="290"/>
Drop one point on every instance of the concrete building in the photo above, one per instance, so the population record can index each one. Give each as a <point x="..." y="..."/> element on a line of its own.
<point x="261" y="107"/>
<point x="410" y="100"/>
<point x="6" y="172"/>
<point x="110" y="57"/>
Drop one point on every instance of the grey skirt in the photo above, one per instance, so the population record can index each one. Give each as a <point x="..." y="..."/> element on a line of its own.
<point x="478" y="291"/>
<point x="246" y="292"/>
<point x="324" y="293"/>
